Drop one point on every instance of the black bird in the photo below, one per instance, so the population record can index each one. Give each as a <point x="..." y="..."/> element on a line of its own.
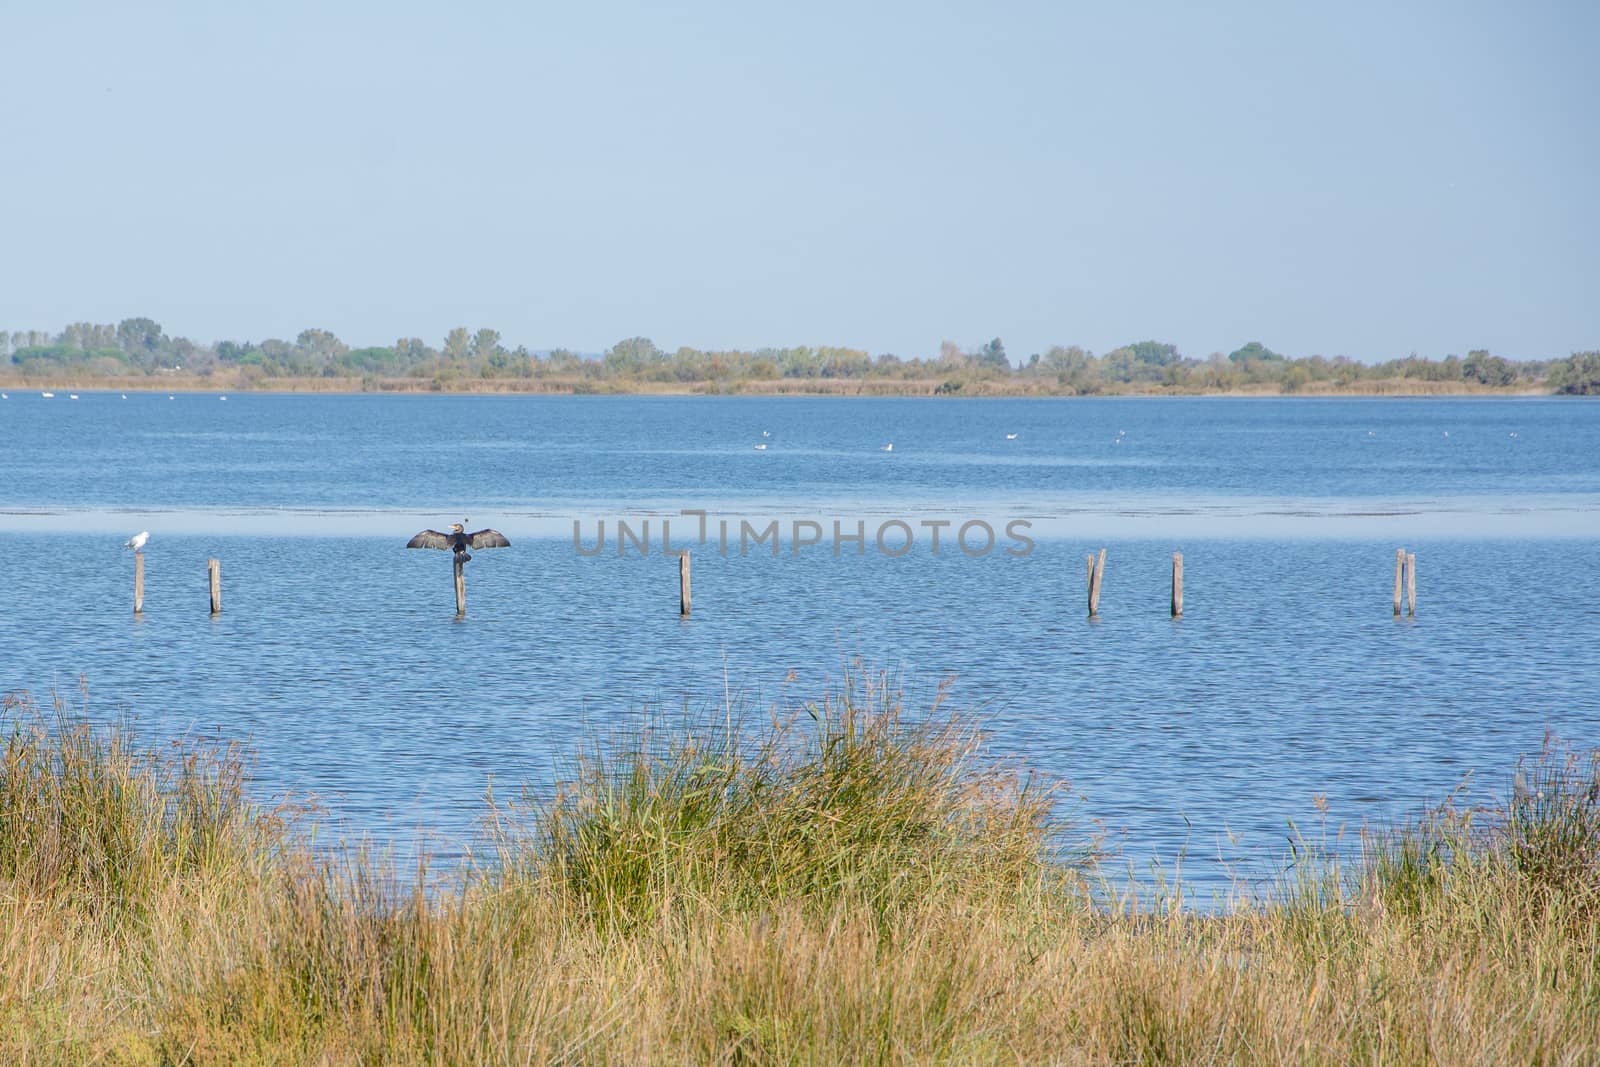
<point x="458" y="540"/>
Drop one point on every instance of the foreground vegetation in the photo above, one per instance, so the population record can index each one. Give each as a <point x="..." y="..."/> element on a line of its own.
<point x="137" y="353"/>
<point x="841" y="886"/>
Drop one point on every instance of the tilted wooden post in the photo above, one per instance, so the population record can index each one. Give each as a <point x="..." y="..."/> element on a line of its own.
<point x="1399" y="571"/>
<point x="461" y="587"/>
<point x="1177" y="585"/>
<point x="1097" y="570"/>
<point x="683" y="585"/>
<point x="138" y="583"/>
<point x="1411" y="585"/>
<point x="214" y="575"/>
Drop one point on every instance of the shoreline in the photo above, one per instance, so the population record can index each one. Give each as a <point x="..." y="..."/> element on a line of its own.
<point x="1391" y="389"/>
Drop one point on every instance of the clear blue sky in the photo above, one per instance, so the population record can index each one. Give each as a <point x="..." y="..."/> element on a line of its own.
<point x="1366" y="179"/>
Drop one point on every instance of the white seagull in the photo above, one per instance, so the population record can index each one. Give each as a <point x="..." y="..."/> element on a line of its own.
<point x="1011" y="437"/>
<point x="888" y="447"/>
<point x="137" y="541"/>
<point x="766" y="433"/>
<point x="761" y="447"/>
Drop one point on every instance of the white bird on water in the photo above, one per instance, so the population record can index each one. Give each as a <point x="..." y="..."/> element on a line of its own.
<point x="761" y="447"/>
<point x="137" y="541"/>
<point x="888" y="447"/>
<point x="1011" y="437"/>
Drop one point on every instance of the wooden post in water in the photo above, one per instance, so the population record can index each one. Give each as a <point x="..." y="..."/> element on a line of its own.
<point x="461" y="587"/>
<point x="1399" y="572"/>
<point x="1177" y="585"/>
<point x="138" y="583"/>
<point x="1097" y="570"/>
<point x="683" y="585"/>
<point x="214" y="576"/>
<point x="1411" y="585"/>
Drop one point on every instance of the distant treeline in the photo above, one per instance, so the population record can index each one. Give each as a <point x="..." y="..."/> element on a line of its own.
<point x="139" y="347"/>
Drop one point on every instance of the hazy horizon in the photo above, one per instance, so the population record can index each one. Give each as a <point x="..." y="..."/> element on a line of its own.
<point x="1359" y="181"/>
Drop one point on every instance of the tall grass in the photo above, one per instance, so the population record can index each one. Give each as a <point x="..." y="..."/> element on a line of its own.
<point x="94" y="822"/>
<point x="847" y="883"/>
<point x="846" y="803"/>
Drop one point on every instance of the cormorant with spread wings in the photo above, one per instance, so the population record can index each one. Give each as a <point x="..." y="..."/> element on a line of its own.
<point x="458" y="540"/>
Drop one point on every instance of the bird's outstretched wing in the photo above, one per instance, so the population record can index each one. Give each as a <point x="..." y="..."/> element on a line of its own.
<point x="429" y="539"/>
<point x="488" y="539"/>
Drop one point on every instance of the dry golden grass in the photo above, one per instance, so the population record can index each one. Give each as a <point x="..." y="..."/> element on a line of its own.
<point x="844" y="886"/>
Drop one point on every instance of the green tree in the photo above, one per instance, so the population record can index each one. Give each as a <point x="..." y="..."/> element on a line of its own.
<point x="142" y="340"/>
<point x="562" y="361"/>
<point x="410" y="351"/>
<point x="317" y="350"/>
<point x="139" y="336"/>
<point x="1480" y="366"/>
<point x="379" y="361"/>
<point x="628" y="358"/>
<point x="1254" y="352"/>
<point x="1578" y="375"/>
<point x="1066" y="361"/>
<point x="457" y="344"/>
<point x="485" y="343"/>
<point x="1155" y="354"/>
<point x="1146" y="361"/>
<point x="993" y="355"/>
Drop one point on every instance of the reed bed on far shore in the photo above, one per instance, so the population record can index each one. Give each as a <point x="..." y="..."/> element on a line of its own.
<point x="849" y="883"/>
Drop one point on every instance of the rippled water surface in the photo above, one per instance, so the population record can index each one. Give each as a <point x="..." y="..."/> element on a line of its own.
<point x="338" y="657"/>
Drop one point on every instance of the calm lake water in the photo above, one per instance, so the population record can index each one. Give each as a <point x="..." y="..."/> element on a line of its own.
<point x="338" y="658"/>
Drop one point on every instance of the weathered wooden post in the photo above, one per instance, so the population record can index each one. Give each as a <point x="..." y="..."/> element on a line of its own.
<point x="138" y="583"/>
<point x="1399" y="572"/>
<point x="1097" y="570"/>
<point x="458" y="541"/>
<point x="683" y="585"/>
<point x="1411" y="585"/>
<point x="214" y="576"/>
<point x="461" y="586"/>
<point x="1177" y="585"/>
